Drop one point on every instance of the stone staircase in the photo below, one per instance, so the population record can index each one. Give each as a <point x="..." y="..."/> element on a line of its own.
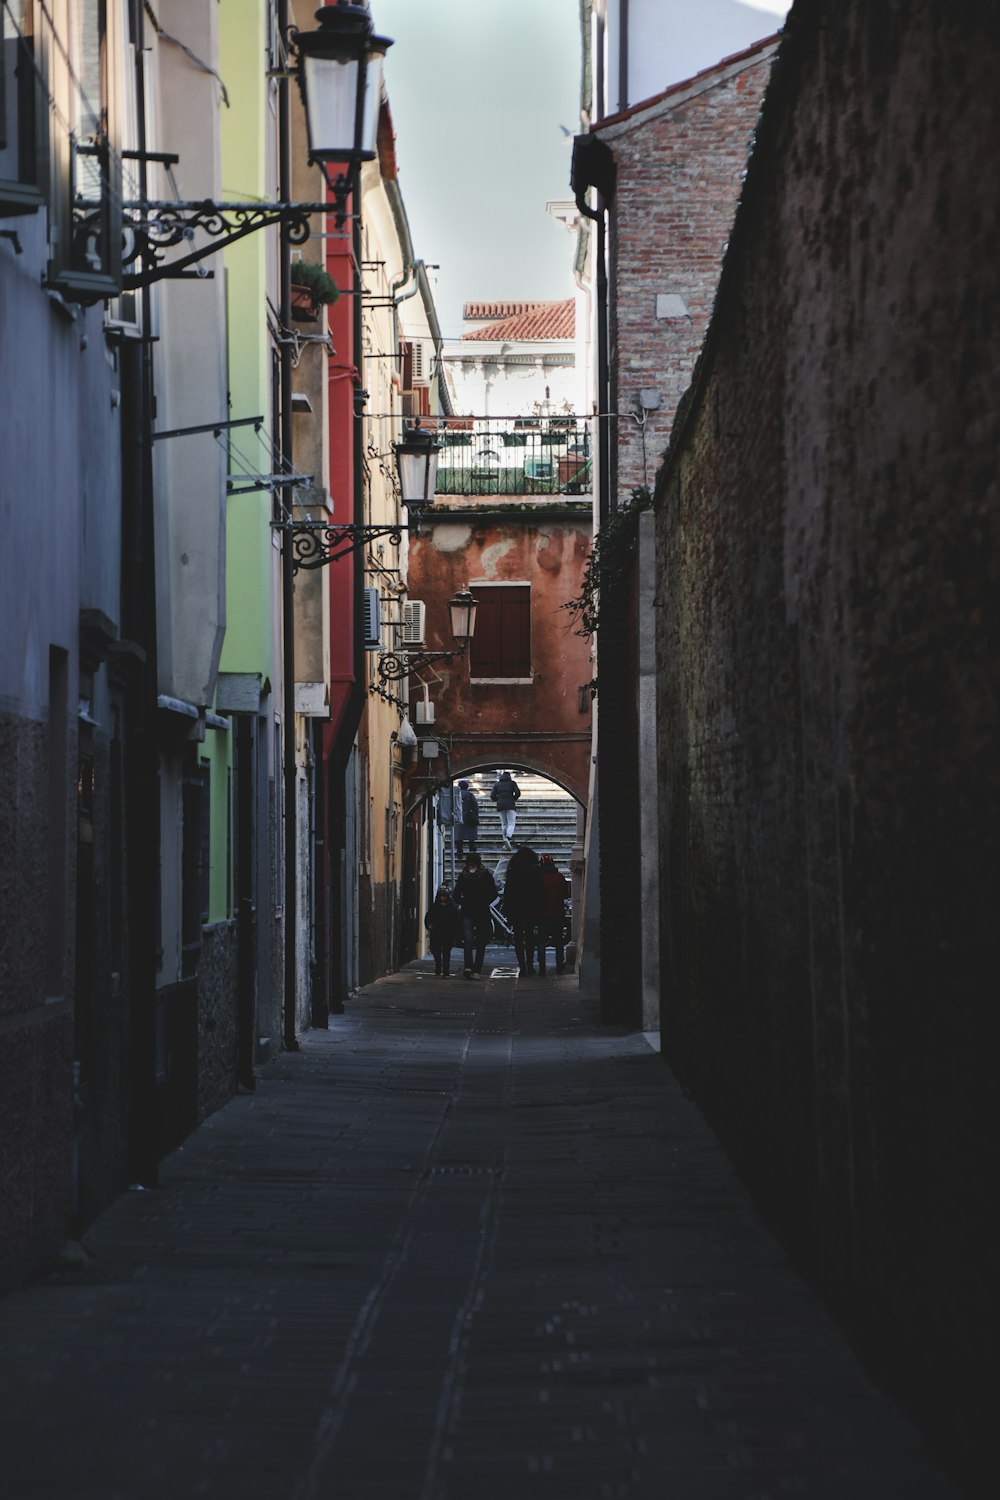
<point x="546" y="819"/>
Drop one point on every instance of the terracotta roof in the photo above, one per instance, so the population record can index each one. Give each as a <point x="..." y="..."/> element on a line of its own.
<point x="537" y="320"/>
<point x="488" y="312"/>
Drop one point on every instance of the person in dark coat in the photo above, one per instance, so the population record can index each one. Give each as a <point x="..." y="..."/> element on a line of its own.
<point x="475" y="892"/>
<point x="522" y="904"/>
<point x="444" y="924"/>
<point x="555" y="889"/>
<point x="505" y="794"/>
<point x="467" y="831"/>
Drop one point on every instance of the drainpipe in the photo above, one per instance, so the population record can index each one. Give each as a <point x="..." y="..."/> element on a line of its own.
<point x="287" y="573"/>
<point x="622" y="55"/>
<point x="594" y="167"/>
<point x="137" y="663"/>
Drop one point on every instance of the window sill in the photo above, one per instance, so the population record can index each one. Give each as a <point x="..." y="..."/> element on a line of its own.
<point x="19" y="198"/>
<point x="505" y="681"/>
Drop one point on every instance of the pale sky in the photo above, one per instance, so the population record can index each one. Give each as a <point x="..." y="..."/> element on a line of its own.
<point x="485" y="100"/>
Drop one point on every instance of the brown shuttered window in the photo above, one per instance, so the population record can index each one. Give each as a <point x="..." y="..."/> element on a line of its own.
<point x="501" y="646"/>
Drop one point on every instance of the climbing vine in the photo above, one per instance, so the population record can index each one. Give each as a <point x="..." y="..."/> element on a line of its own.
<point x="608" y="563"/>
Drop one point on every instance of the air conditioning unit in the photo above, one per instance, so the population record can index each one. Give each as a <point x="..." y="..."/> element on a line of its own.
<point x="414" y="615"/>
<point x="372" y="620"/>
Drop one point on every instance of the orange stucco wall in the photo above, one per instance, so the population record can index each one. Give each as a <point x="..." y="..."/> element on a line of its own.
<point x="536" y="725"/>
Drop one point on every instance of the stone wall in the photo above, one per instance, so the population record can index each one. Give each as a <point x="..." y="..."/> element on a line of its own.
<point x="827" y="634"/>
<point x="679" y="164"/>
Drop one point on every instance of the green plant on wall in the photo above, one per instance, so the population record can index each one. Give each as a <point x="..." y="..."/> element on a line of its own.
<point x="609" y="562"/>
<point x="319" y="281"/>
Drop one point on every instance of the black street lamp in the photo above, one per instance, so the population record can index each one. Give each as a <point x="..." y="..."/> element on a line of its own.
<point x="340" y="75"/>
<point x="417" y="463"/>
<point x="394" y="665"/>
<point x="315" y="544"/>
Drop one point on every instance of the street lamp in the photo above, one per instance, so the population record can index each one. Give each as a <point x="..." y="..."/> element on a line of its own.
<point x="340" y="75"/>
<point x="394" y="665"/>
<point x="416" y="463"/>
<point x="315" y="544"/>
<point x="463" y="615"/>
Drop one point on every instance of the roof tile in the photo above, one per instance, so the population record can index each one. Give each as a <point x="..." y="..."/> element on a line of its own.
<point x="534" y="320"/>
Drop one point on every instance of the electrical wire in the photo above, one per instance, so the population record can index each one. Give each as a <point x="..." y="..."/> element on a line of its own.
<point x="198" y="61"/>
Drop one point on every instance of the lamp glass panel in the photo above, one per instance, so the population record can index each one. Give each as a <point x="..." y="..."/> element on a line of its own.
<point x="463" y="618"/>
<point x="331" y="93"/>
<point x="417" y="476"/>
<point x="373" y="96"/>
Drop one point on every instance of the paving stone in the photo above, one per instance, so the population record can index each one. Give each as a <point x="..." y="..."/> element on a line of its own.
<point x="464" y="1245"/>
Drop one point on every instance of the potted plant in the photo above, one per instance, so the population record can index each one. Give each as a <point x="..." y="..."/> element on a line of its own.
<point x="312" y="288"/>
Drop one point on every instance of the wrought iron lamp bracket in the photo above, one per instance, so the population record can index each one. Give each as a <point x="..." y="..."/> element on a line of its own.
<point x="394" y="665"/>
<point x="151" y="228"/>
<point x="315" y="544"/>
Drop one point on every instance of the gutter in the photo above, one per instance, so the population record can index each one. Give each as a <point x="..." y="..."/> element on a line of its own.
<point x="594" y="167"/>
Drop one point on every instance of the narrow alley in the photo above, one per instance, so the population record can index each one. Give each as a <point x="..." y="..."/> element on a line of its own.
<point x="465" y="1243"/>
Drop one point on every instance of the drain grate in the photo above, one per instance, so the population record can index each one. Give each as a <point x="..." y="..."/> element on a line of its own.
<point x="462" y="1169"/>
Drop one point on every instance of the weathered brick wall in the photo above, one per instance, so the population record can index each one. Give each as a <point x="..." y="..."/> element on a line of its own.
<point x="679" y="165"/>
<point x="827" y="536"/>
<point x="679" y="170"/>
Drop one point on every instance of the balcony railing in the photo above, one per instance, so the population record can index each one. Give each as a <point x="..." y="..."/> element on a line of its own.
<point x="514" y="456"/>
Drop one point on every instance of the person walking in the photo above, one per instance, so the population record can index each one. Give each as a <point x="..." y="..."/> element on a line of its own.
<point x="555" y="889"/>
<point x="444" y="924"/>
<point x="505" y="794"/>
<point x="475" y="892"/>
<point x="522" y="904"/>
<point x="467" y="830"/>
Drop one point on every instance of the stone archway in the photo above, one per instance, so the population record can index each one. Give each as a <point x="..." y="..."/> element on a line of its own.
<point x="550" y="817"/>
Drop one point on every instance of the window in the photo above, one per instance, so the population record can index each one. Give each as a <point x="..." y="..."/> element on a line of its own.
<point x="87" y="219"/>
<point x="22" y="111"/>
<point x="415" y="389"/>
<point x="501" y="646"/>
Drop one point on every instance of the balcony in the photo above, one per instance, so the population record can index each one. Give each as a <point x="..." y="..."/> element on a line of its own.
<point x="514" y="456"/>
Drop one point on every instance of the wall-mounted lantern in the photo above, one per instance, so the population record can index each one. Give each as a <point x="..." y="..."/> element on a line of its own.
<point x="339" y="73"/>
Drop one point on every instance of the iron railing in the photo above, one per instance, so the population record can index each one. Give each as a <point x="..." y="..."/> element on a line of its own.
<point x="514" y="456"/>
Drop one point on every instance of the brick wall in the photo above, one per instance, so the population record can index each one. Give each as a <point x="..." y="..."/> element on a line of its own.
<point x="679" y="164"/>
<point x="827" y="637"/>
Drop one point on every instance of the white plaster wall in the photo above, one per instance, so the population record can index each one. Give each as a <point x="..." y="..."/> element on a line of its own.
<point x="190" y="472"/>
<point x="511" y="380"/>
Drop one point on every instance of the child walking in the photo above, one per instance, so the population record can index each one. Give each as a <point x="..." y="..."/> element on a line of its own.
<point x="444" y="923"/>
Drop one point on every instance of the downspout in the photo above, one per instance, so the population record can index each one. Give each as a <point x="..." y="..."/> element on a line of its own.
<point x="594" y="167"/>
<point x="138" y="665"/>
<point x="287" y="572"/>
<point x="360" y="399"/>
<point x="336" y="813"/>
<point x="622" y="56"/>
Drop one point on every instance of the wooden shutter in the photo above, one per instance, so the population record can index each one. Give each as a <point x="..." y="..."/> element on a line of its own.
<point x="501" y="646"/>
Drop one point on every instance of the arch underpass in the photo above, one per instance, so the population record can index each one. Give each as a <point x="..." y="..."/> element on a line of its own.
<point x="549" y="818"/>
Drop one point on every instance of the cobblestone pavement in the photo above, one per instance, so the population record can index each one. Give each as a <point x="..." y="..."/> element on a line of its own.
<point x="465" y="1245"/>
